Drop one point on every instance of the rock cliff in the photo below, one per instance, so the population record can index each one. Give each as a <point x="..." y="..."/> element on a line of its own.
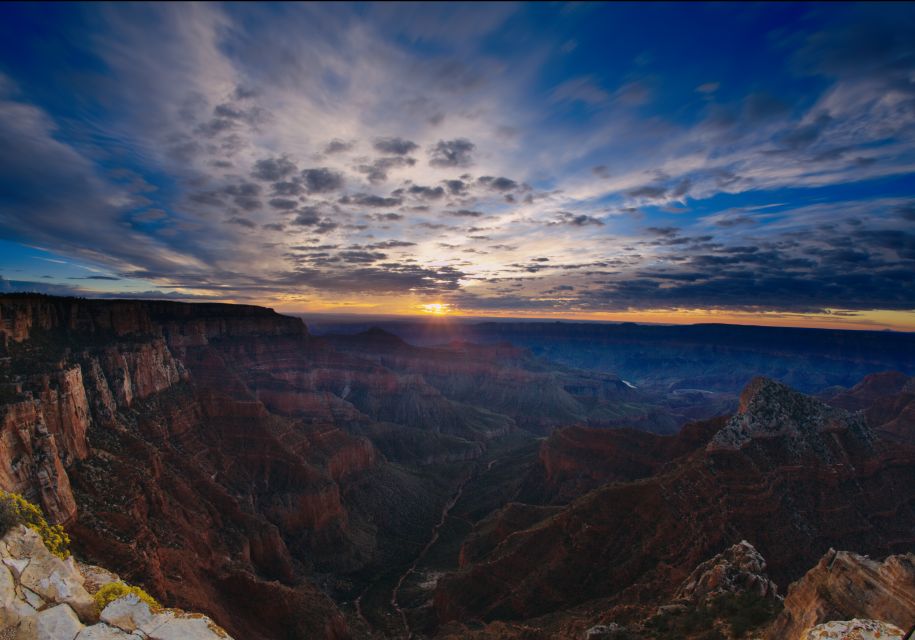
<point x="845" y="585"/>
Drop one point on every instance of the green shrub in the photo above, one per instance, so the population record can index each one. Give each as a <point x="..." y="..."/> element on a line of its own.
<point x="53" y="535"/>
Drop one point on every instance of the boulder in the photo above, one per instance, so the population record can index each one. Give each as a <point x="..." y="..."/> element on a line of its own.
<point x="57" y="623"/>
<point x="50" y="577"/>
<point x="128" y="613"/>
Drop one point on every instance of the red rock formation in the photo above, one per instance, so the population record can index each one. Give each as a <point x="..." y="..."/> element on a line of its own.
<point x="887" y="400"/>
<point x="30" y="460"/>
<point x="789" y="475"/>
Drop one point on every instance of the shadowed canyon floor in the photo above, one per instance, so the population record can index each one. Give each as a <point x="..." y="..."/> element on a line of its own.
<point x="294" y="486"/>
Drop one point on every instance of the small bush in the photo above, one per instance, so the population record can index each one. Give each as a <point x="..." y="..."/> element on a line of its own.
<point x="117" y="590"/>
<point x="53" y="535"/>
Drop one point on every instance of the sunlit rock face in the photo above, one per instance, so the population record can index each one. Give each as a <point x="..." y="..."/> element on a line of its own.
<point x="845" y="585"/>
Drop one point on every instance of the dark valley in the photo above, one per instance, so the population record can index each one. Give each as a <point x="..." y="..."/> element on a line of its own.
<point x="356" y="485"/>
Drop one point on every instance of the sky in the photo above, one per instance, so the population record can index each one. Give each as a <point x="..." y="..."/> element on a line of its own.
<point x="742" y="162"/>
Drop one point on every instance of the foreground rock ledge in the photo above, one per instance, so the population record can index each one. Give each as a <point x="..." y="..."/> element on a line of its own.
<point x="45" y="598"/>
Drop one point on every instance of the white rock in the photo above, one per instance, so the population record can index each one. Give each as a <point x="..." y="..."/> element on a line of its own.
<point x="34" y="600"/>
<point x="854" y="630"/>
<point x="7" y="586"/>
<point x="171" y="625"/>
<point x="16" y="565"/>
<point x="52" y="578"/>
<point x="102" y="631"/>
<point x="128" y="613"/>
<point x="57" y="623"/>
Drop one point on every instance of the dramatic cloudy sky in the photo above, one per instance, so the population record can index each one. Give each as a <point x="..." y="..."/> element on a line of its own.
<point x="656" y="162"/>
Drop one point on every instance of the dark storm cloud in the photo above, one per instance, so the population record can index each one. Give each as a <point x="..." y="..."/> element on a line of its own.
<point x="322" y="180"/>
<point x="370" y="200"/>
<point x="391" y="244"/>
<point x="215" y="127"/>
<point x="456" y="187"/>
<point x="241" y="222"/>
<point x="395" y="146"/>
<point x="377" y="171"/>
<point x="307" y="216"/>
<point x="273" y="169"/>
<point x="338" y="146"/>
<point x="576" y="220"/>
<point x="288" y="187"/>
<point x="652" y="192"/>
<point x="283" y="203"/>
<point x="466" y="213"/>
<point x="386" y="217"/>
<point x="452" y="153"/>
<point x="498" y="184"/>
<point x="663" y="231"/>
<point x="358" y="257"/>
<point x="426" y="193"/>
<point x="244" y="194"/>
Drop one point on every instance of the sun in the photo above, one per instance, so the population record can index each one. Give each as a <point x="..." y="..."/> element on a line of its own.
<point x="436" y="308"/>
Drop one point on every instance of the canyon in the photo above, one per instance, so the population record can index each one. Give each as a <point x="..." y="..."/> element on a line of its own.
<point x="377" y="484"/>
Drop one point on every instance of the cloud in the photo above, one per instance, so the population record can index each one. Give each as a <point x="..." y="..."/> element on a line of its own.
<point x="452" y="153"/>
<point x="426" y="193"/>
<point x="498" y="184"/>
<point x="371" y="200"/>
<point x="338" y="146"/>
<point x="273" y="169"/>
<point x="377" y="171"/>
<point x="395" y="146"/>
<point x="576" y="220"/>
<point x="322" y="180"/>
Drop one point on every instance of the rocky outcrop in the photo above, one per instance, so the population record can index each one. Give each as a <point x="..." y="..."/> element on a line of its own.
<point x="770" y="410"/>
<point x="854" y="630"/>
<point x="43" y="597"/>
<point x="738" y="569"/>
<point x="845" y="585"/>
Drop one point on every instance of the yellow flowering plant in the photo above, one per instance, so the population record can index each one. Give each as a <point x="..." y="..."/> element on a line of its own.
<point x="53" y="535"/>
<point x="116" y="590"/>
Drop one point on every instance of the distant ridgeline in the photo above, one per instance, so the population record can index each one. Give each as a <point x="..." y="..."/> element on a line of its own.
<point x="716" y="357"/>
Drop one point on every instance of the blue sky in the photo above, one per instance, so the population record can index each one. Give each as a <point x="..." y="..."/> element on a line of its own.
<point x="657" y="161"/>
